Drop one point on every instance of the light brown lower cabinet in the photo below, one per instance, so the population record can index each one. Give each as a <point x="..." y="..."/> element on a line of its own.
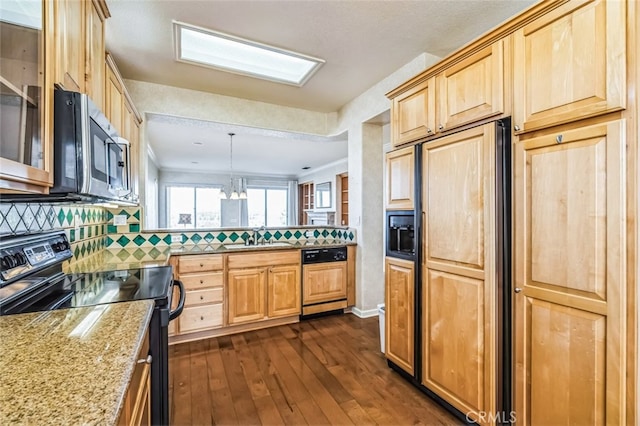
<point x="137" y="402"/>
<point x="400" y="312"/>
<point x="571" y="276"/>
<point x="263" y="286"/>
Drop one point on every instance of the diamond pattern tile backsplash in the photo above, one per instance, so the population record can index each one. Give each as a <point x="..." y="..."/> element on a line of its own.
<point x="90" y="229"/>
<point x="84" y="224"/>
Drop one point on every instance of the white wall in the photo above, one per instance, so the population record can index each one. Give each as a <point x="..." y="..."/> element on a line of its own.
<point x="151" y="196"/>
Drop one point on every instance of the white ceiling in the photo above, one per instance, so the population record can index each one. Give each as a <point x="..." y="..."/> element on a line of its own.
<point x="362" y="41"/>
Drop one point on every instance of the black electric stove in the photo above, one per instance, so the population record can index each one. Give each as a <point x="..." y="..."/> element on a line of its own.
<point x="32" y="280"/>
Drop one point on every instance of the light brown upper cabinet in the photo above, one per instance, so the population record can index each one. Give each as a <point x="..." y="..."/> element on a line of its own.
<point x="69" y="16"/>
<point x="570" y="64"/>
<point x="413" y="113"/>
<point x="459" y="270"/>
<point x="472" y="89"/>
<point x="26" y="82"/>
<point x="400" y="179"/>
<point x="114" y="95"/>
<point x="571" y="276"/>
<point x="96" y="14"/>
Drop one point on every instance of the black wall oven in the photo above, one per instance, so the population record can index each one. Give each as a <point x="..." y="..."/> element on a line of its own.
<point x="31" y="280"/>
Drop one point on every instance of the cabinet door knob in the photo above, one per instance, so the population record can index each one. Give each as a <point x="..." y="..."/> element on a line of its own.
<point x="201" y="298"/>
<point x="202" y="265"/>
<point x="146" y="360"/>
<point x="429" y="130"/>
<point x="517" y="289"/>
<point x="201" y="281"/>
<point x="441" y="127"/>
<point x="559" y="139"/>
<point x="201" y="318"/>
<point x="516" y="128"/>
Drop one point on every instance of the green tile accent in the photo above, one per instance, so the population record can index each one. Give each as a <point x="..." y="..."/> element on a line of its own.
<point x="109" y="216"/>
<point x="297" y="234"/>
<point x="72" y="235"/>
<point x="154" y="239"/>
<point x="139" y="254"/>
<point x="277" y="235"/>
<point x="89" y="231"/>
<point x="108" y="241"/>
<point x="333" y="233"/>
<point x="112" y="229"/>
<point x="287" y="234"/>
<point x="316" y="233"/>
<point x="83" y="215"/>
<point x="76" y="252"/>
<point x="233" y="237"/>
<point x="196" y="238"/>
<point x="69" y="217"/>
<point x="184" y="238"/>
<point x="124" y="212"/>
<point x="166" y="239"/>
<point x="123" y="241"/>
<point x="351" y="235"/>
<point x="244" y="236"/>
<point x="137" y="214"/>
<point x="122" y="254"/>
<point x="221" y="236"/>
<point x="208" y="237"/>
<point x="93" y="215"/>
<point x="82" y="232"/>
<point x="267" y="235"/>
<point x="325" y="232"/>
<point x="139" y="240"/>
<point x="154" y="252"/>
<point x="61" y="217"/>
<point x="134" y="227"/>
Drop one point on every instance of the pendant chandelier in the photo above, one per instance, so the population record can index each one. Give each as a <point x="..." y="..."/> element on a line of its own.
<point x="233" y="193"/>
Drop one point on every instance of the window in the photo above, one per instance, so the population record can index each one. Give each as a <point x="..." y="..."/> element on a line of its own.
<point x="267" y="206"/>
<point x="193" y="207"/>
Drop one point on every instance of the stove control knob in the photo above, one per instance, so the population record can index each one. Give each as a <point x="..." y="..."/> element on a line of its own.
<point x="8" y="261"/>
<point x="21" y="259"/>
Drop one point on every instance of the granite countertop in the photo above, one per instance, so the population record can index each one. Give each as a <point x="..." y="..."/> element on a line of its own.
<point x="240" y="247"/>
<point x="70" y="366"/>
<point x="121" y="258"/>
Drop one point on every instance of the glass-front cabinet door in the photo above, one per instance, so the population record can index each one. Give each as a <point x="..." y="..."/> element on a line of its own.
<point x="26" y="96"/>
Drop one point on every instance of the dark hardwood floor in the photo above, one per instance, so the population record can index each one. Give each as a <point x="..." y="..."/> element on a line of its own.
<point x="321" y="371"/>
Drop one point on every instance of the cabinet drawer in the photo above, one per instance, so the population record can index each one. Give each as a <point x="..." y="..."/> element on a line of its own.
<point x="198" y="263"/>
<point x="201" y="297"/>
<point x="201" y="317"/>
<point x="199" y="281"/>
<point x="266" y="258"/>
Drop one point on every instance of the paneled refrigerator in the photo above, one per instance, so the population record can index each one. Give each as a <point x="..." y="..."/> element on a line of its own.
<point x="448" y="310"/>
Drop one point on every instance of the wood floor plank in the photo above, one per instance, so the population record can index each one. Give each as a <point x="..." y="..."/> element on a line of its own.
<point x="322" y="371"/>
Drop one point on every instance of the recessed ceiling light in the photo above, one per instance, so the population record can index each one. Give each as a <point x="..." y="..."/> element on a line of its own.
<point x="306" y="168"/>
<point x="226" y="52"/>
<point x="198" y="143"/>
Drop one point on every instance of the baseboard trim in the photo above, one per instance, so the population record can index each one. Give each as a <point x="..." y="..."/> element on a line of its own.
<point x="364" y="313"/>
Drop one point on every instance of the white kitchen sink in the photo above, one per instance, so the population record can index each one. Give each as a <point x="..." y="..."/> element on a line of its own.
<point x="265" y="245"/>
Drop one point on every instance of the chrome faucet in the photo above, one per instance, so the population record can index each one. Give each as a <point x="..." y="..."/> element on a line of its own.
<point x="257" y="236"/>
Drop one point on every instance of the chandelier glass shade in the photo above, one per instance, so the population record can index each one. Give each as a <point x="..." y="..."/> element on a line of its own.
<point x="232" y="193"/>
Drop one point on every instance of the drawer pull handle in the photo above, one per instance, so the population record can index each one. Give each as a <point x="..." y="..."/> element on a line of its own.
<point x="201" y="318"/>
<point x="146" y="360"/>
<point x="559" y="139"/>
<point x="201" y="298"/>
<point x="202" y="265"/>
<point x="201" y="281"/>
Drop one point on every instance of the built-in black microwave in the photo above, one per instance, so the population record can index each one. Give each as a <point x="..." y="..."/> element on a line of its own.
<point x="400" y="228"/>
<point x="90" y="159"/>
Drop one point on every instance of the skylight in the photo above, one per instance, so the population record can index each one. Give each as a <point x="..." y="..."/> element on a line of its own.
<point x="225" y="52"/>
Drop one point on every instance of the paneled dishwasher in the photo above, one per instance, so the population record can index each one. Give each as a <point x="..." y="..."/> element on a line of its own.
<point x="324" y="281"/>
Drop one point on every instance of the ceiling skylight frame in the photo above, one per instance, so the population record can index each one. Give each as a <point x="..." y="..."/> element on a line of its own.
<point x="178" y="26"/>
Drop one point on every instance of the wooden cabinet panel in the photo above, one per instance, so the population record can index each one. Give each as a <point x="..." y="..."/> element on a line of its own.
<point x="570" y="273"/>
<point x="95" y="48"/>
<point x="454" y="347"/>
<point x="455" y="174"/>
<point x="206" y="296"/>
<point x="200" y="263"/>
<point x="246" y="295"/>
<point x="136" y="408"/>
<point x="324" y="282"/>
<point x="114" y="98"/>
<point x="69" y="16"/>
<point x="195" y="318"/>
<point x="459" y="277"/>
<point x="400" y="179"/>
<point x="263" y="258"/>
<point x="204" y="280"/>
<point x="400" y="312"/>
<point x="570" y="64"/>
<point x="472" y="89"/>
<point x="413" y="113"/>
<point x="284" y="291"/>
